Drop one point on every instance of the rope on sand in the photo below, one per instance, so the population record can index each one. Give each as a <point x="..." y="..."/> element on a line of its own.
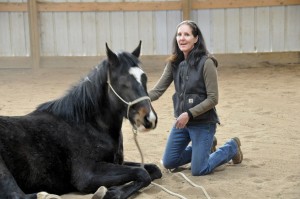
<point x="195" y="185"/>
<point x="160" y="186"/>
<point x="168" y="191"/>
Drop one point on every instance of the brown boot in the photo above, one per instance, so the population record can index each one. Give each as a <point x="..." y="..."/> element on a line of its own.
<point x="214" y="146"/>
<point x="238" y="158"/>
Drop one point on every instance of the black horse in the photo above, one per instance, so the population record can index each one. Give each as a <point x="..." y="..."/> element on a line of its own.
<point x="75" y="143"/>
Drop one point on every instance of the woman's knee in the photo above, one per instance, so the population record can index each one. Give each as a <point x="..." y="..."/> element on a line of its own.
<point x="200" y="172"/>
<point x="169" y="164"/>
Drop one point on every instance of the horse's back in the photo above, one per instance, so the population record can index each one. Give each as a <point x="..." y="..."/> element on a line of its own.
<point x="32" y="155"/>
<point x="24" y="129"/>
<point x="10" y="128"/>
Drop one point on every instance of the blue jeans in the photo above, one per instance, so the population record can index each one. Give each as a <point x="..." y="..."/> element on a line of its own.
<point x="178" y="152"/>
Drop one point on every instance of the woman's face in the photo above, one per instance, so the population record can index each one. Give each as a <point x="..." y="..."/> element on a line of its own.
<point x="185" y="39"/>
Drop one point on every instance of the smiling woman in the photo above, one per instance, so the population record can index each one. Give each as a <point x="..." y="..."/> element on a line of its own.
<point x="186" y="37"/>
<point x="194" y="72"/>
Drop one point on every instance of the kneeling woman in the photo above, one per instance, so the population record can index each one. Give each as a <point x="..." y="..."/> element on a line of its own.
<point x="194" y="73"/>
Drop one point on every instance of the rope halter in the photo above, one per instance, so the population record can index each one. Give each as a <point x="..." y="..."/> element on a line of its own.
<point x="129" y="104"/>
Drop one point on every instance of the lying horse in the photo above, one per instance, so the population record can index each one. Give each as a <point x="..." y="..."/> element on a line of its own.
<point x="75" y="143"/>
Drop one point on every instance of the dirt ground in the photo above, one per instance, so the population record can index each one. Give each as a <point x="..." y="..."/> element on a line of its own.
<point x="260" y="105"/>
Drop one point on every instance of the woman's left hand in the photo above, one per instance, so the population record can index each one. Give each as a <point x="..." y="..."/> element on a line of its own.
<point x="182" y="120"/>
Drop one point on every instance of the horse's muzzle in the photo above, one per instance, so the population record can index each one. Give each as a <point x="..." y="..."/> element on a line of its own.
<point x="145" y="119"/>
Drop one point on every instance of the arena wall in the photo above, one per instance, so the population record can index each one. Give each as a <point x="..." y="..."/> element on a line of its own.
<point x="73" y="33"/>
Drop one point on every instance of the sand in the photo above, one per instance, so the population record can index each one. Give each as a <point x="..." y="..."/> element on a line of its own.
<point x="260" y="105"/>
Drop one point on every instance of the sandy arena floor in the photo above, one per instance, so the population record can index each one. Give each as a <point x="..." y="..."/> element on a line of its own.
<point x="258" y="104"/>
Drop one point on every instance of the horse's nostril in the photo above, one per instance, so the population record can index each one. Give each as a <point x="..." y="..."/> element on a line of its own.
<point x="147" y="123"/>
<point x="145" y="117"/>
<point x="150" y="122"/>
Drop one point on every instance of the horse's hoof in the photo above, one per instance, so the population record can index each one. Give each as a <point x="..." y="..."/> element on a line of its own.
<point x="45" y="195"/>
<point x="100" y="193"/>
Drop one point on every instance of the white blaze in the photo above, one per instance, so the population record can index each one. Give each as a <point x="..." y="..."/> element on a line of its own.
<point x="137" y="73"/>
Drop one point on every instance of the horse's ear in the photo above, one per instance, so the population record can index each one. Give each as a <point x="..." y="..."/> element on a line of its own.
<point x="112" y="57"/>
<point x="137" y="51"/>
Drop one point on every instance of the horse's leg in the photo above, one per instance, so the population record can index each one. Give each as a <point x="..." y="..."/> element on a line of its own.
<point x="113" y="176"/>
<point x="9" y="187"/>
<point x="152" y="169"/>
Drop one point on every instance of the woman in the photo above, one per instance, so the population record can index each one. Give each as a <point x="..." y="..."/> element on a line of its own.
<point x="194" y="73"/>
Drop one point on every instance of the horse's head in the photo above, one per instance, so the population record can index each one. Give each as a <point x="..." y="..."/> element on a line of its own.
<point x="127" y="85"/>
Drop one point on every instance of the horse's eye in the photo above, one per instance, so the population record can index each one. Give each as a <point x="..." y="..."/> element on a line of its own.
<point x="124" y="82"/>
<point x="125" y="85"/>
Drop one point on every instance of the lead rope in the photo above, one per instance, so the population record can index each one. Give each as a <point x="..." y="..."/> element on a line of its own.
<point x="134" y="130"/>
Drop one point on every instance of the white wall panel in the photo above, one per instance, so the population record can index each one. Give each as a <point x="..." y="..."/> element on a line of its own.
<point x="218" y="31"/>
<point x="232" y="32"/>
<point x="18" y="35"/>
<point x="247" y="28"/>
<point x="5" y="36"/>
<point x="14" y="36"/>
<point x="165" y="23"/>
<point x="277" y="28"/>
<point x="203" y="19"/>
<point x="262" y="30"/>
<point x="102" y="31"/>
<point x="27" y="34"/>
<point x="117" y="28"/>
<point x="61" y="33"/>
<point x="146" y="30"/>
<point x="161" y="33"/>
<point x="17" y="31"/>
<point x="237" y="30"/>
<point x="173" y="19"/>
<point x="117" y="32"/>
<point x="75" y="40"/>
<point x="292" y="38"/>
<point x="48" y="38"/>
<point x="5" y="44"/>
<point x="89" y="33"/>
<point x="132" y="31"/>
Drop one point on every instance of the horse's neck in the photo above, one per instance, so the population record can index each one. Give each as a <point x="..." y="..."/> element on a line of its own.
<point x="109" y="119"/>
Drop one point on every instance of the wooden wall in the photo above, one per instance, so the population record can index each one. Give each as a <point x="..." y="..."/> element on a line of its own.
<point x="34" y="33"/>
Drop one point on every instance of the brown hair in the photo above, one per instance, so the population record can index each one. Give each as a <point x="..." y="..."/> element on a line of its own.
<point x="197" y="52"/>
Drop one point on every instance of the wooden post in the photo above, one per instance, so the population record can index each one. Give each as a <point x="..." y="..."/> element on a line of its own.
<point x="34" y="33"/>
<point x="186" y="9"/>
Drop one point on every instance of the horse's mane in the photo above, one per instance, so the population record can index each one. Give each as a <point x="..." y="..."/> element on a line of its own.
<point x="82" y="101"/>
